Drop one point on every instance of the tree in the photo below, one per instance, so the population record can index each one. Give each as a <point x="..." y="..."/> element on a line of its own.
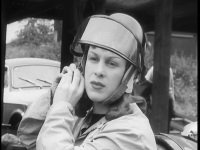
<point x="36" y="32"/>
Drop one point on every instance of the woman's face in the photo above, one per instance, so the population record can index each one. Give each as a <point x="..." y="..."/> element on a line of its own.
<point x="103" y="73"/>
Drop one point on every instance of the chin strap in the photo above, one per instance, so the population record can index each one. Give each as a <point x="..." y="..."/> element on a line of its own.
<point x="122" y="88"/>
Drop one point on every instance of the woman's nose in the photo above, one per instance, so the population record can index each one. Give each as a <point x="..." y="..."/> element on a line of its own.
<point x="100" y="70"/>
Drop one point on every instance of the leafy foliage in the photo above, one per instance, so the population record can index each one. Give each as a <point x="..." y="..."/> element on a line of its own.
<point x="35" y="32"/>
<point x="185" y="68"/>
<point x="185" y="84"/>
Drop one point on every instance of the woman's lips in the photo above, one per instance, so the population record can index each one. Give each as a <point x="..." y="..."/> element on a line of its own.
<point x="97" y="85"/>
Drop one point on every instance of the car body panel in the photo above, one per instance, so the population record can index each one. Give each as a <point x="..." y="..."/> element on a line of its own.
<point x="174" y="142"/>
<point x="26" y="79"/>
<point x="21" y="96"/>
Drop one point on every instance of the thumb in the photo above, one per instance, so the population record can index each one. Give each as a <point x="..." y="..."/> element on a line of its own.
<point x="55" y="83"/>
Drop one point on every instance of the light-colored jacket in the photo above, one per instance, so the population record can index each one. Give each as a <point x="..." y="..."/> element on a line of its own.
<point x="149" y="77"/>
<point x="61" y="129"/>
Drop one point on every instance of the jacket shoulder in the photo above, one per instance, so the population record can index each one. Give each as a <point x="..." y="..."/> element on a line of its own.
<point x="130" y="131"/>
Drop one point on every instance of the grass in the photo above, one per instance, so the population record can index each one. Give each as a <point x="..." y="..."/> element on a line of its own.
<point x="49" y="51"/>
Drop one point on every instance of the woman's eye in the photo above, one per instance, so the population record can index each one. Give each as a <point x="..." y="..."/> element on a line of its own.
<point x="112" y="63"/>
<point x="92" y="58"/>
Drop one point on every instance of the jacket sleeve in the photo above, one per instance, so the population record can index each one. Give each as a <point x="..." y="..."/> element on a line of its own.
<point x="56" y="133"/>
<point x="33" y="120"/>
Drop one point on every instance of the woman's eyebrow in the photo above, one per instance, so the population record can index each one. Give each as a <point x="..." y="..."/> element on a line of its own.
<point x="108" y="56"/>
<point x="91" y="52"/>
<point x="114" y="57"/>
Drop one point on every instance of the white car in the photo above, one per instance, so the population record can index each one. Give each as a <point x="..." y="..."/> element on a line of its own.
<point x="24" y="81"/>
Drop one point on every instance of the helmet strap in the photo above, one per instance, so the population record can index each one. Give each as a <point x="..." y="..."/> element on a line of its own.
<point x="122" y="88"/>
<point x="82" y="63"/>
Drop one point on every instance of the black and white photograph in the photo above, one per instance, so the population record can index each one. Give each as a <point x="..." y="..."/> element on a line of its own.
<point x="99" y="75"/>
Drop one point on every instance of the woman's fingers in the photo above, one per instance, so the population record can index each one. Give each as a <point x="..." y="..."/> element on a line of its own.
<point x="72" y="66"/>
<point x="58" y="78"/>
<point x="71" y="75"/>
<point x="76" y="78"/>
<point x="78" y="92"/>
<point x="81" y="85"/>
<point x="65" y="69"/>
<point x="71" y="85"/>
<point x="66" y="78"/>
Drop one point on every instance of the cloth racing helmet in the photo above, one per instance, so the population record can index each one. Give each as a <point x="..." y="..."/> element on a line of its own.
<point x="118" y="33"/>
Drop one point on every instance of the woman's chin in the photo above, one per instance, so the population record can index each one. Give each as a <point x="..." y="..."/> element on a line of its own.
<point x="96" y="97"/>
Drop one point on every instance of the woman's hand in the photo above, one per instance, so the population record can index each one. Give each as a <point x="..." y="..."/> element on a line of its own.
<point x="70" y="85"/>
<point x="58" y="78"/>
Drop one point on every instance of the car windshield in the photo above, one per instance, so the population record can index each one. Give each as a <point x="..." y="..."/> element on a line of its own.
<point x="34" y="76"/>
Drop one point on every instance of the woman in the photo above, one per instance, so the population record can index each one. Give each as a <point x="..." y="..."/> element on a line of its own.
<point x="93" y="109"/>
